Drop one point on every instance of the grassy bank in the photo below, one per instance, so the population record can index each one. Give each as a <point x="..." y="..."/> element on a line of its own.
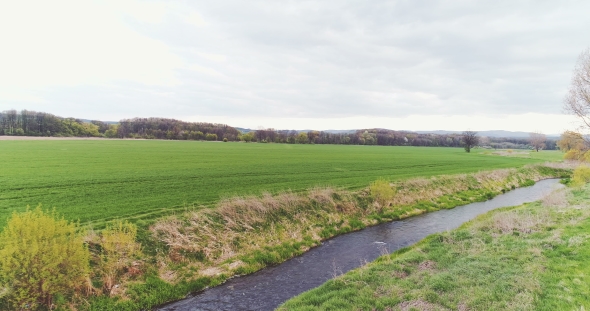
<point x="204" y="247"/>
<point x="530" y="257"/>
<point x="96" y="181"/>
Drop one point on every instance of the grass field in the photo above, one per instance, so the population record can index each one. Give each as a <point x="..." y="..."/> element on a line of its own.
<point x="99" y="180"/>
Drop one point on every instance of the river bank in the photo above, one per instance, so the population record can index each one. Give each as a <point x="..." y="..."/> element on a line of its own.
<point x="265" y="290"/>
<point x="529" y="257"/>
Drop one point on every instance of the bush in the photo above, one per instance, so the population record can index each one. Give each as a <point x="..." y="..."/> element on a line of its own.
<point x="41" y="257"/>
<point x="225" y="140"/>
<point x="573" y="154"/>
<point x="382" y="192"/>
<point x="581" y="176"/>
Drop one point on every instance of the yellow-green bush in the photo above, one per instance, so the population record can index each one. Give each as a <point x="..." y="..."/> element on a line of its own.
<point x="581" y="176"/>
<point x="574" y="154"/>
<point x="41" y="256"/>
<point x="382" y="191"/>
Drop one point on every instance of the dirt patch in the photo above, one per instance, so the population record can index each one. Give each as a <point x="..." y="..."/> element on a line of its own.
<point x="427" y="265"/>
<point x="420" y="305"/>
<point x="399" y="274"/>
<point x="213" y="271"/>
<point x="511" y="154"/>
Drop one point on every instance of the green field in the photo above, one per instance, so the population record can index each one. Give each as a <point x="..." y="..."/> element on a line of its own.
<point x="99" y="180"/>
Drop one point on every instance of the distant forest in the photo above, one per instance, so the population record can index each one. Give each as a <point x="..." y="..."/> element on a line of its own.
<point x="32" y="123"/>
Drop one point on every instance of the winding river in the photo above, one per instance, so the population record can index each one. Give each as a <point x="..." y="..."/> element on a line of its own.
<point x="268" y="288"/>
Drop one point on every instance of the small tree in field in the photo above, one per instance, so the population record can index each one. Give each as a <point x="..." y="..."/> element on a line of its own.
<point x="469" y="139"/>
<point x="41" y="256"/>
<point x="537" y="140"/>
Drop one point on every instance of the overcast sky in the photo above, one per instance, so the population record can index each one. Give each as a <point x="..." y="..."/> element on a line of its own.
<point x="415" y="65"/>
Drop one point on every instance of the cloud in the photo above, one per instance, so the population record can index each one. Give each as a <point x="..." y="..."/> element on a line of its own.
<point x="293" y="59"/>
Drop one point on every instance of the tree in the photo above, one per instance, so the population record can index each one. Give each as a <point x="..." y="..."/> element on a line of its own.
<point x="470" y="139"/>
<point x="571" y="140"/>
<point x="248" y="137"/>
<point x="41" y="256"/>
<point x="302" y="138"/>
<point x="577" y="101"/>
<point x="537" y="140"/>
<point x="211" y="137"/>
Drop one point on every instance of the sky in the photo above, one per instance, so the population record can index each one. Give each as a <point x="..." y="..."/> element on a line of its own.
<point x="402" y="65"/>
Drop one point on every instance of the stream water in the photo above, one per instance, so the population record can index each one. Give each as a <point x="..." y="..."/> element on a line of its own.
<point x="268" y="288"/>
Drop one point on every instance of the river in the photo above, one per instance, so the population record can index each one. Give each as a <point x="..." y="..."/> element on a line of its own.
<point x="268" y="288"/>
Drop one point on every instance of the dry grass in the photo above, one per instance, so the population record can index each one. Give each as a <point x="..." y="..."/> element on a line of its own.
<point x="243" y="225"/>
<point x="567" y="164"/>
<point x="427" y="189"/>
<point x="419" y="305"/>
<point x="509" y="222"/>
<point x="557" y="198"/>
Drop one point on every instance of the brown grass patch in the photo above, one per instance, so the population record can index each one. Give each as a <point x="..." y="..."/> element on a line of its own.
<point x="525" y="222"/>
<point x="428" y="265"/>
<point x="557" y="198"/>
<point x="420" y="305"/>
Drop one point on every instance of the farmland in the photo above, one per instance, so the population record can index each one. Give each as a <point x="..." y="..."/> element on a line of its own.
<point x="100" y="180"/>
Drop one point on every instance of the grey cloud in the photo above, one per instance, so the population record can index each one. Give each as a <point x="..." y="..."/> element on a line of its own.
<point x="351" y="58"/>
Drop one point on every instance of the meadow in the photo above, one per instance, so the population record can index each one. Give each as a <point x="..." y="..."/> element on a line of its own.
<point x="99" y="180"/>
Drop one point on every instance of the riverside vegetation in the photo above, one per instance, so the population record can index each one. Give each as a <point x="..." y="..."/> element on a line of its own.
<point x="198" y="247"/>
<point x="529" y="257"/>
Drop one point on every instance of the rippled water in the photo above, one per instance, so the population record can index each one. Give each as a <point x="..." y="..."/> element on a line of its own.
<point x="268" y="288"/>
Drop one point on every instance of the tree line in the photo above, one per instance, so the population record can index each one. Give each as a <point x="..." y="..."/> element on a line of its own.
<point x="383" y="137"/>
<point x="32" y="123"/>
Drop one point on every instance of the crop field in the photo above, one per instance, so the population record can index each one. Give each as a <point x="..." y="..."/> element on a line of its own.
<point x="100" y="180"/>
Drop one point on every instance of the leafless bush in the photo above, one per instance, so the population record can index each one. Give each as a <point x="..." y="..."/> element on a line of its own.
<point x="557" y="198"/>
<point x="525" y="222"/>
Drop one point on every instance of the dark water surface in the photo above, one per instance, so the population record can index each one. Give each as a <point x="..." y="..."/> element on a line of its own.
<point x="268" y="288"/>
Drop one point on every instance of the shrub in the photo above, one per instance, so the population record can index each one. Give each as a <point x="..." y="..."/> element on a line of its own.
<point x="41" y="257"/>
<point x="573" y="154"/>
<point x="581" y="176"/>
<point x="118" y="251"/>
<point x="382" y="192"/>
<point x="225" y="140"/>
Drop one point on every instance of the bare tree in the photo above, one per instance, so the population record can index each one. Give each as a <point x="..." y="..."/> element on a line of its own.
<point x="577" y="101"/>
<point x="537" y="140"/>
<point x="470" y="139"/>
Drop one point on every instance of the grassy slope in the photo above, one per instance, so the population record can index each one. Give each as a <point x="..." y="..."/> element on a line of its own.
<point x="101" y="180"/>
<point x="532" y="257"/>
